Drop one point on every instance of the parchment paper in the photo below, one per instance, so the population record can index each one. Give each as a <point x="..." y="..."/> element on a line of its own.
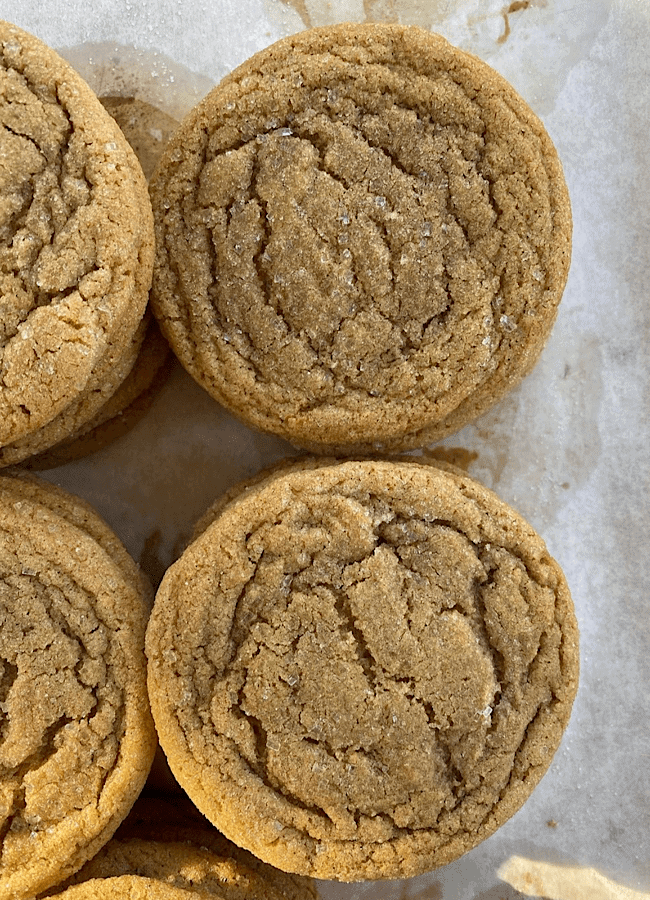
<point x="569" y="449"/>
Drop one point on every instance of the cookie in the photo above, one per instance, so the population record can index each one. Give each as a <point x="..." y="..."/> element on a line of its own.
<point x="101" y="386"/>
<point x="124" y="887"/>
<point x="77" y="738"/>
<point x="363" y="235"/>
<point x="76" y="237"/>
<point x="360" y="670"/>
<point x="166" y="840"/>
<point x="146" y="128"/>
<point x="119" y="397"/>
<point x="165" y="820"/>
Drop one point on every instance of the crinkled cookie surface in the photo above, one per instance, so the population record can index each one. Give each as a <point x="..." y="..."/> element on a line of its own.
<point x="76" y="736"/>
<point x="373" y="662"/>
<point x="76" y="235"/>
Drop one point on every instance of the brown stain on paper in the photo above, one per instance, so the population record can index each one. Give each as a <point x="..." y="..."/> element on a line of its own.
<point x="516" y="6"/>
<point x="422" y="12"/>
<point x="300" y="7"/>
<point x="455" y="456"/>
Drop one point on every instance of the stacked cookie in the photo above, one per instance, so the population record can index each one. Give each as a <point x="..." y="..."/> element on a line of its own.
<point x="77" y="737"/>
<point x="76" y="252"/>
<point x="166" y="845"/>
<point x="361" y="669"/>
<point x="362" y="238"/>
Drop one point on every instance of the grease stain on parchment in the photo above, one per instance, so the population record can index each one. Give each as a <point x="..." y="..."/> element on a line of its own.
<point x="516" y="6"/>
<point x="534" y="43"/>
<point x="312" y="13"/>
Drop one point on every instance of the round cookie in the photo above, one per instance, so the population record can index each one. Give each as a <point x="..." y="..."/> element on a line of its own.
<point x="76" y="236"/>
<point x="194" y="868"/>
<point x="363" y="236"/>
<point x="77" y="738"/>
<point x="376" y="666"/>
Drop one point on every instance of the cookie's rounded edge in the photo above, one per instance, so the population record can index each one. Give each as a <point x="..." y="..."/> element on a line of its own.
<point x="124" y="887"/>
<point x="130" y="246"/>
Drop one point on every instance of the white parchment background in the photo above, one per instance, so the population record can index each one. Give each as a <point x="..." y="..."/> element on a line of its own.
<point x="570" y="449"/>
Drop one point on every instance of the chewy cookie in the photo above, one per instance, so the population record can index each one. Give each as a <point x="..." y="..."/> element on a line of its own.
<point x="363" y="236"/>
<point x="76" y="238"/>
<point x="77" y="738"/>
<point x="361" y="669"/>
<point x="167" y="840"/>
<point x="125" y="887"/>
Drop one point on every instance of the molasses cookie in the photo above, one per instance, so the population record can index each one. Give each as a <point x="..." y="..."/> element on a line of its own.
<point x="363" y="236"/>
<point x="102" y="385"/>
<point x="169" y="841"/>
<point x="174" y="819"/>
<point x="76" y="237"/>
<point x="77" y="739"/>
<point x="361" y="669"/>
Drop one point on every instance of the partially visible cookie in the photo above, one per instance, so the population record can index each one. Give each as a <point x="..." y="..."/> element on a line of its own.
<point x="146" y="128"/>
<point x="363" y="236"/>
<point x="76" y="238"/>
<point x="361" y="669"/>
<point x="124" y="887"/>
<point x="100" y="388"/>
<point x="175" y="820"/>
<point x="194" y="868"/>
<point x="77" y="738"/>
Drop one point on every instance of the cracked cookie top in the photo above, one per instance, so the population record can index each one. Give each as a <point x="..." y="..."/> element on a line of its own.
<point x="363" y="237"/>
<point x="76" y="736"/>
<point x="76" y="235"/>
<point x="360" y="670"/>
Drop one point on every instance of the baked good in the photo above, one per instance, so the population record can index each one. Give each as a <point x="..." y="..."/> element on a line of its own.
<point x="76" y="238"/>
<point x="77" y="737"/>
<point x="124" y="887"/>
<point x="168" y="840"/>
<point x="146" y="128"/>
<point x="363" y="235"/>
<point x="361" y="669"/>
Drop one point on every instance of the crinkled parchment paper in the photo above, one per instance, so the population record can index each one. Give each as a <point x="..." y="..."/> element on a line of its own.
<point x="569" y="449"/>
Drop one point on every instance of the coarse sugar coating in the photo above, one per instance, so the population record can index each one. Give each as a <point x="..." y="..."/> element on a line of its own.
<point x="361" y="669"/>
<point x="102" y="385"/>
<point x="76" y="236"/>
<point x="363" y="236"/>
<point x="77" y="738"/>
